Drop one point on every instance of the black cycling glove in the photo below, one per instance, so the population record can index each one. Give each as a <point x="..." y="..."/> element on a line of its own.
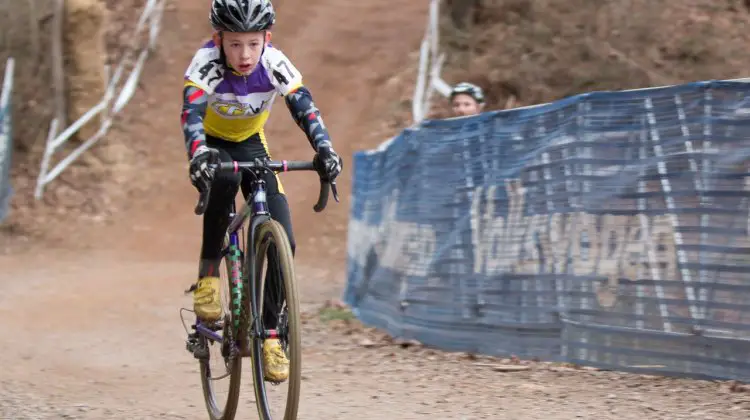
<point x="329" y="163"/>
<point x="201" y="174"/>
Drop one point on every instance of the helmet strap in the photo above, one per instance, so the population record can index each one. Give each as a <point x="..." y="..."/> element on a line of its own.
<point x="266" y="40"/>
<point x="222" y="54"/>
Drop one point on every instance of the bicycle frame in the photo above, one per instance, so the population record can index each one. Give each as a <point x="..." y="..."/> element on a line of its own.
<point x="256" y="209"/>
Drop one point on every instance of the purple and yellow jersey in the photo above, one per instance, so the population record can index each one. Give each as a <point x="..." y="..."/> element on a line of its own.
<point x="239" y="106"/>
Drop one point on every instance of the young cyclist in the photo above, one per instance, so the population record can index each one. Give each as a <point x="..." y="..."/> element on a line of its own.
<point x="229" y="88"/>
<point x="467" y="99"/>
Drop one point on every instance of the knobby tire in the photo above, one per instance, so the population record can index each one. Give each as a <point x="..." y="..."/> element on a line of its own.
<point x="272" y="233"/>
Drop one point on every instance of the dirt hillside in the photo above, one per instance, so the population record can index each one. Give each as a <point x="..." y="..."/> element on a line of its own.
<point x="538" y="51"/>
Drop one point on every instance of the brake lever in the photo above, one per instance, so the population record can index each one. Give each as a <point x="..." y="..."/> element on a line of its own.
<point x="202" y="204"/>
<point x="204" y="196"/>
<point x="334" y="191"/>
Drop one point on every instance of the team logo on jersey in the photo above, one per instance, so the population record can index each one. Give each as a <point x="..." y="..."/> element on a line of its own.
<point x="236" y="109"/>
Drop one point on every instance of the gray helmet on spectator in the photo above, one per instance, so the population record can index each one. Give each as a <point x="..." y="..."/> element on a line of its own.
<point x="470" y="89"/>
<point x="242" y="15"/>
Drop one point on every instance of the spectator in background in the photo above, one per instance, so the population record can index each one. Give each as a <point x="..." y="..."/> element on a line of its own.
<point x="467" y="99"/>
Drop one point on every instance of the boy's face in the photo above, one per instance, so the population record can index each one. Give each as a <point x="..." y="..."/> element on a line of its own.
<point x="464" y="105"/>
<point x="243" y="50"/>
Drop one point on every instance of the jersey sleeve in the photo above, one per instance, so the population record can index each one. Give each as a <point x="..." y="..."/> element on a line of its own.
<point x="205" y="70"/>
<point x="284" y="76"/>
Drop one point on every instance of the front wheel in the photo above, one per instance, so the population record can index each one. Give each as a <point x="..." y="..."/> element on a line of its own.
<point x="276" y="293"/>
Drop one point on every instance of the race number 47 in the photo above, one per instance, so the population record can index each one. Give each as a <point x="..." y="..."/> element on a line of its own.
<point x="211" y="68"/>
<point x="283" y="65"/>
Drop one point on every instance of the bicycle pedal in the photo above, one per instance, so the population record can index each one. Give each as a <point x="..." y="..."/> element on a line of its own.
<point x="201" y="353"/>
<point x="192" y="346"/>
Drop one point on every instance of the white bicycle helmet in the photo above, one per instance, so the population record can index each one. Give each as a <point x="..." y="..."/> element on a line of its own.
<point x="242" y="15"/>
<point x="470" y="89"/>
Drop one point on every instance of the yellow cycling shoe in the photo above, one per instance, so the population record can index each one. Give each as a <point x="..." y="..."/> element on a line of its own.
<point x="275" y="363"/>
<point x="206" y="301"/>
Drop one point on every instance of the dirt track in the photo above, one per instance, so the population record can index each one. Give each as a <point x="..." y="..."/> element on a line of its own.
<point x="92" y="329"/>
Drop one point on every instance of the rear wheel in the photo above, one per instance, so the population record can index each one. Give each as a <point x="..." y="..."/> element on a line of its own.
<point x="221" y="371"/>
<point x="277" y="291"/>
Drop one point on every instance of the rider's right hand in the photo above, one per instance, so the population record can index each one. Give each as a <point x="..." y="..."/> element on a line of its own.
<point x="201" y="174"/>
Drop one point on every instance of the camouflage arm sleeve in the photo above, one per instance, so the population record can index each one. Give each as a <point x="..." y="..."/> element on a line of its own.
<point x="194" y="105"/>
<point x="307" y="116"/>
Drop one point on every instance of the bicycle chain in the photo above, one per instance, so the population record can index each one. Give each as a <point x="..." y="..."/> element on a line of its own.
<point x="233" y="351"/>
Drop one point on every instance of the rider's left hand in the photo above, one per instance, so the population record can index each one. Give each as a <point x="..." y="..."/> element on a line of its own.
<point x="331" y="162"/>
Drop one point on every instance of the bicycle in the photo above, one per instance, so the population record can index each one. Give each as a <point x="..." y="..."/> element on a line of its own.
<point x="241" y="332"/>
